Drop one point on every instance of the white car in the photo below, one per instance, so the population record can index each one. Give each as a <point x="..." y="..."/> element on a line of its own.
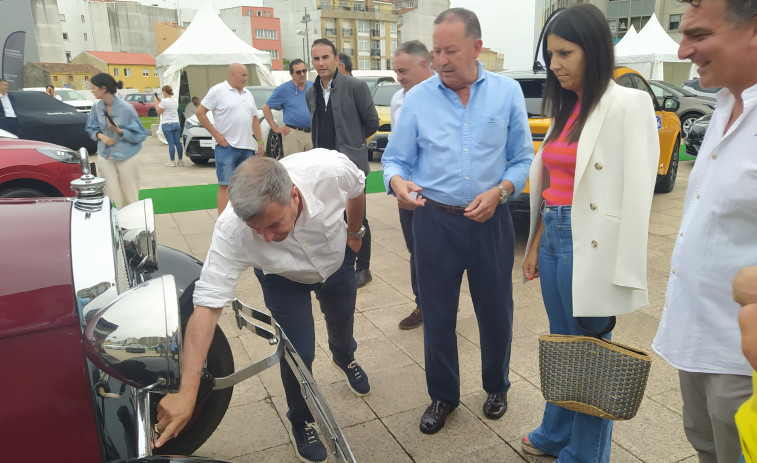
<point x="198" y="144"/>
<point x="68" y="96"/>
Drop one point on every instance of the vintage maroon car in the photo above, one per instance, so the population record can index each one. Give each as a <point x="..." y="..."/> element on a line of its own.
<point x="30" y="168"/>
<point x="92" y="312"/>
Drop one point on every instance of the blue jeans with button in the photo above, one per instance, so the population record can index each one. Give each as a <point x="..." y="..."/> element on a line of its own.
<point x="568" y="435"/>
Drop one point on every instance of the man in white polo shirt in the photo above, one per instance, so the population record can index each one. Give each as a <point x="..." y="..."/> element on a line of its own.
<point x="234" y="112"/>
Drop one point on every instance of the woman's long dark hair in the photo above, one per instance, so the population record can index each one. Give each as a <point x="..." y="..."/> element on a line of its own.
<point x="586" y="26"/>
<point x="106" y="80"/>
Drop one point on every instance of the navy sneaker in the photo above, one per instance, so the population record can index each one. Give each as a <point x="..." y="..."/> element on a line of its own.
<point x="305" y="439"/>
<point x="356" y="378"/>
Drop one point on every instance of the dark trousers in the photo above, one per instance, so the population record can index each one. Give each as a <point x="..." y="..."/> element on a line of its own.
<point x="406" y="222"/>
<point x="446" y="246"/>
<point x="364" y="255"/>
<point x="9" y="124"/>
<point x="289" y="303"/>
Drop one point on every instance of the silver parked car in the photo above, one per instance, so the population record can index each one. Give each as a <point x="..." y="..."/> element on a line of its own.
<point x="692" y="106"/>
<point x="198" y="144"/>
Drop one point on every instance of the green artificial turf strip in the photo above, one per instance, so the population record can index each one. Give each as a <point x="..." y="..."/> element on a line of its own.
<point x="147" y="122"/>
<point x="199" y="197"/>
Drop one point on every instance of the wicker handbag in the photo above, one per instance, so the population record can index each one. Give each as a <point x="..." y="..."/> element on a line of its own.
<point x="592" y="375"/>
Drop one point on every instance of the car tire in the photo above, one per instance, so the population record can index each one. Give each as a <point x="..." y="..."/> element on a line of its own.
<point x="23" y="192"/>
<point x="665" y="183"/>
<point x="208" y="412"/>
<point x="687" y="120"/>
<point x="275" y="146"/>
<point x="152" y="113"/>
<point x="199" y="160"/>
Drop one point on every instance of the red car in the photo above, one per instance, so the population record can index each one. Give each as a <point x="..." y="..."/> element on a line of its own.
<point x="92" y="314"/>
<point x="144" y="103"/>
<point x="30" y="168"/>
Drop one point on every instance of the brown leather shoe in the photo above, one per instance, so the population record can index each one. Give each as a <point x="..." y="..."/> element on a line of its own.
<point x="414" y="320"/>
<point x="495" y="406"/>
<point x="434" y="416"/>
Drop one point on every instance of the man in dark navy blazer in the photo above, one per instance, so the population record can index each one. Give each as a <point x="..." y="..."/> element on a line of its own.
<point x="8" y="119"/>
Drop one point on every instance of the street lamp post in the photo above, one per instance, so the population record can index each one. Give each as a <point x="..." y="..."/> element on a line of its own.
<point x="305" y="20"/>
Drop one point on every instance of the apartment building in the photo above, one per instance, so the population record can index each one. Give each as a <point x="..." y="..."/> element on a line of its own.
<point x="259" y="27"/>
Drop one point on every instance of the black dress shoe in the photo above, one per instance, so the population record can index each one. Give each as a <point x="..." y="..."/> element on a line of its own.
<point x="434" y="416"/>
<point x="363" y="277"/>
<point x="495" y="406"/>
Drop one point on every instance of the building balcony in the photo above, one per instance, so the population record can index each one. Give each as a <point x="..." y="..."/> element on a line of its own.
<point x="375" y="52"/>
<point x="346" y="32"/>
<point x="330" y="32"/>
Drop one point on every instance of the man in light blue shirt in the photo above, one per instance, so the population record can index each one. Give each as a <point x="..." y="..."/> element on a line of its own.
<point x="290" y="98"/>
<point x="464" y="138"/>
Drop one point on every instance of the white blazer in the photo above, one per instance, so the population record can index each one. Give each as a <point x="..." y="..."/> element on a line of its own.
<point x="616" y="169"/>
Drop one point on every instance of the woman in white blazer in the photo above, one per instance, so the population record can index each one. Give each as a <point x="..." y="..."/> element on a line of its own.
<point x="591" y="186"/>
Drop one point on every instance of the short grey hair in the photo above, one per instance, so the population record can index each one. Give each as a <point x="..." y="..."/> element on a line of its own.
<point x="738" y="12"/>
<point x="469" y="19"/>
<point x="256" y="183"/>
<point x="413" y="47"/>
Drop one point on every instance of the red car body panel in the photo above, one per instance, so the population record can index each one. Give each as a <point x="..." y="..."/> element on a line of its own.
<point x="40" y="339"/>
<point x="21" y="162"/>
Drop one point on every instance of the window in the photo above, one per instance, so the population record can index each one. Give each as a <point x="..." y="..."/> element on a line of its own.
<point x="70" y="78"/>
<point x="260" y="13"/>
<point x="344" y="6"/>
<point x="68" y="56"/>
<point x="364" y="63"/>
<point x="362" y="27"/>
<point x="376" y="65"/>
<point x="65" y="36"/>
<point x="274" y="53"/>
<point x="266" y="34"/>
<point x="675" y="22"/>
<point x="82" y="19"/>
<point x="127" y="72"/>
<point x="62" y="18"/>
<point x="148" y="89"/>
<point x="85" y="36"/>
<point x="357" y="6"/>
<point x="325" y="4"/>
<point x="55" y="78"/>
<point x="86" y="77"/>
<point x="267" y="14"/>
<point x="392" y="47"/>
<point x="363" y="47"/>
<point x="155" y="72"/>
<point x="115" y="72"/>
<point x="393" y="29"/>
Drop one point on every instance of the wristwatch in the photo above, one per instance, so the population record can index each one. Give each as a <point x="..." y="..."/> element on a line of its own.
<point x="504" y="195"/>
<point x="358" y="234"/>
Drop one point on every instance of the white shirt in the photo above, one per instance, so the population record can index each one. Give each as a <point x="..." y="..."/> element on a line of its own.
<point x="327" y="92"/>
<point x="395" y="106"/>
<point x="699" y="331"/>
<point x="58" y="97"/>
<point x="170" y="110"/>
<point x="312" y="252"/>
<point x="189" y="110"/>
<point x="232" y="114"/>
<point x="9" y="112"/>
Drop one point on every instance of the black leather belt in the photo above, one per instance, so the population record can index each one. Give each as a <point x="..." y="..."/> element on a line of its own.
<point x="453" y="210"/>
<point x="298" y="128"/>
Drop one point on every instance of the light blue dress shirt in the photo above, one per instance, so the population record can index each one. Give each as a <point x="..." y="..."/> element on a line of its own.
<point x="292" y="100"/>
<point x="457" y="152"/>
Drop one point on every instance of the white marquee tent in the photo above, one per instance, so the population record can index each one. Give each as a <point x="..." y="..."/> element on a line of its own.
<point x="654" y="54"/>
<point x="205" y="51"/>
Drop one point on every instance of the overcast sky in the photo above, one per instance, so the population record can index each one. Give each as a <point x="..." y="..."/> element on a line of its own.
<point x="507" y="26"/>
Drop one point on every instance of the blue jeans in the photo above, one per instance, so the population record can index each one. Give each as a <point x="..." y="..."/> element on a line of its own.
<point x="290" y="305"/>
<point x="570" y="436"/>
<point x="171" y="131"/>
<point x="227" y="159"/>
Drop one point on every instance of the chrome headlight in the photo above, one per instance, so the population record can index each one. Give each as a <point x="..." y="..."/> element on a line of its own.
<point x="136" y="338"/>
<point x="137" y="225"/>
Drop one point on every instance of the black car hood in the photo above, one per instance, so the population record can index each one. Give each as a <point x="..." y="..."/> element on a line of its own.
<point x="44" y="118"/>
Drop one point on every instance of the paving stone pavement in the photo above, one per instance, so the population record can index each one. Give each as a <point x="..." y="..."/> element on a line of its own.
<point x="383" y="426"/>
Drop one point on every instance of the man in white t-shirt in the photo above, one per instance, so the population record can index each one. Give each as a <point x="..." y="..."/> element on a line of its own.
<point x="699" y="332"/>
<point x="191" y="108"/>
<point x="234" y="112"/>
